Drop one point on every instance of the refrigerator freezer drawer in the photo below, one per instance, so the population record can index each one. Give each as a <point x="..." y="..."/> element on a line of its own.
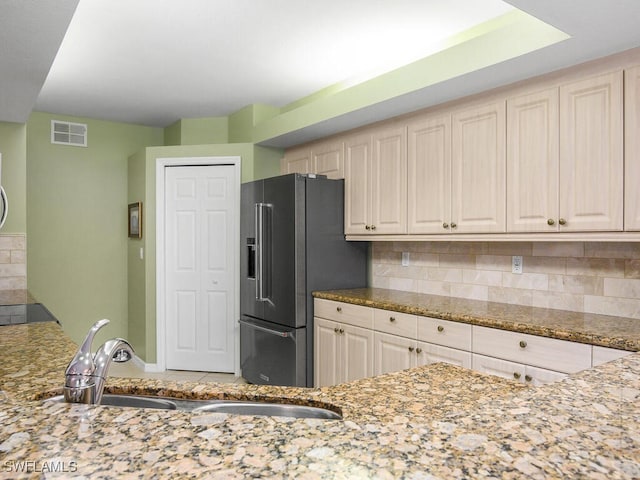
<point x="272" y="354"/>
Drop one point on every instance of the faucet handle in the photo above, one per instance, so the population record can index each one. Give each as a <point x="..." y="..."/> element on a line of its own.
<point x="86" y="345"/>
<point x="82" y="363"/>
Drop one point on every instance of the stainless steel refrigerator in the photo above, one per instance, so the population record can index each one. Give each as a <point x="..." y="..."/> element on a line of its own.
<point x="292" y="242"/>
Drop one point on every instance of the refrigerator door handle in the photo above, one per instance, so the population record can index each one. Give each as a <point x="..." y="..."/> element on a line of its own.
<point x="266" y="330"/>
<point x="258" y="259"/>
<point x="262" y="272"/>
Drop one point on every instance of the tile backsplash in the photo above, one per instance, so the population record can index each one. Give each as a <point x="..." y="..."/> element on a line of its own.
<point x="13" y="262"/>
<point x="592" y="277"/>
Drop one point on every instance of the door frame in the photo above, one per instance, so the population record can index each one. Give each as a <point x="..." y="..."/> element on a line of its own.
<point x="161" y="165"/>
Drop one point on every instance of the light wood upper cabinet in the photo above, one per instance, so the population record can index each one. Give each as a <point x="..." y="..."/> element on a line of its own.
<point x="327" y="158"/>
<point x="478" y="190"/>
<point x="297" y="160"/>
<point x="357" y="186"/>
<point x="389" y="178"/>
<point x="376" y="182"/>
<point x="533" y="162"/>
<point x="632" y="149"/>
<point x="429" y="174"/>
<point x="591" y="154"/>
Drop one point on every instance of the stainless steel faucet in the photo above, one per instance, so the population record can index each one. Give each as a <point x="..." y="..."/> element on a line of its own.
<point x="86" y="373"/>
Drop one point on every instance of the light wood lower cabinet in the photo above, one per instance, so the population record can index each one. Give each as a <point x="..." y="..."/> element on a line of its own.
<point x="342" y="353"/>
<point x="393" y="353"/>
<point x="429" y="353"/>
<point x="515" y="371"/>
<point x="353" y="342"/>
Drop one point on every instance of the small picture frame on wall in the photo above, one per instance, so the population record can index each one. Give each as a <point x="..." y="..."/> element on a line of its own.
<point x="135" y="220"/>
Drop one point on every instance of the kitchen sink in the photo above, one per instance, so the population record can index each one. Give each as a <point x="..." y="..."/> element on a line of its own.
<point x="214" y="406"/>
<point x="272" y="409"/>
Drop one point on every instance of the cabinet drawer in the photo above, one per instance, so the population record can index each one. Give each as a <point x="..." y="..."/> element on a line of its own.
<point x="446" y="333"/>
<point x="603" y="355"/>
<point x="558" y="355"/>
<point x="396" y="323"/>
<point x="348" y="313"/>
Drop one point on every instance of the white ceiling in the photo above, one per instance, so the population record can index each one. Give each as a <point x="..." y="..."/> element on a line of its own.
<point x="153" y="62"/>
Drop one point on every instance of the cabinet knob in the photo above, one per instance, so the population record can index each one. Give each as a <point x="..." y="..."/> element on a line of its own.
<point x="418" y="351"/>
<point x="454" y="225"/>
<point x="562" y="221"/>
<point x="392" y="319"/>
<point x="336" y="330"/>
<point x="516" y="375"/>
<point x="411" y="349"/>
<point x="445" y="225"/>
<point x="341" y="330"/>
<point x="551" y="221"/>
<point x="367" y="227"/>
<point x="440" y="328"/>
<point x="373" y="227"/>
<point x="339" y="309"/>
<point x="523" y="344"/>
<point x="528" y="378"/>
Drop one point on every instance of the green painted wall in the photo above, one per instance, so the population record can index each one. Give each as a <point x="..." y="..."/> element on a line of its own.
<point x="77" y="222"/>
<point x="242" y="122"/>
<point x="256" y="162"/>
<point x="13" y="147"/>
<point x="197" y="131"/>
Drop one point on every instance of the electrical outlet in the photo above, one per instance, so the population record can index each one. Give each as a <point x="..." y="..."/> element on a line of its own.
<point x="405" y="259"/>
<point x="516" y="264"/>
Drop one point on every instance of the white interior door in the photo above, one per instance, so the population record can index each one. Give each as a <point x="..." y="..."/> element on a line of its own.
<point x="200" y="220"/>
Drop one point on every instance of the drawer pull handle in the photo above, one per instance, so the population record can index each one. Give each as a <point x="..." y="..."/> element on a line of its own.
<point x="392" y="319"/>
<point x="523" y="344"/>
<point x="339" y="309"/>
<point x="411" y="349"/>
<point x="528" y="378"/>
<point x="440" y="328"/>
<point x="516" y="375"/>
<point x="418" y="351"/>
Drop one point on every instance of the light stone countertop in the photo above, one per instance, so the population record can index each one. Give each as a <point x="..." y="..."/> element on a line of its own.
<point x="438" y="421"/>
<point x="602" y="330"/>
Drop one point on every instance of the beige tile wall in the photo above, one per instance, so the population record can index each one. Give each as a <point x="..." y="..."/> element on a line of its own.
<point x="13" y="262"/>
<point x="584" y="277"/>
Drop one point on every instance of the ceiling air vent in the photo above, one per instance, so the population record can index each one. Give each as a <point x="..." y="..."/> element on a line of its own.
<point x="67" y="133"/>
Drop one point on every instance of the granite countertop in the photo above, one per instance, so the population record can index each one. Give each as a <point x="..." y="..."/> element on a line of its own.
<point x="438" y="421"/>
<point x="602" y="330"/>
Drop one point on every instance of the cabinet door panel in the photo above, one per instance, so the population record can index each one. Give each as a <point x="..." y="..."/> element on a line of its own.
<point x="540" y="376"/>
<point x="591" y="154"/>
<point x="325" y="353"/>
<point x="532" y="162"/>
<point x="500" y="368"/>
<point x="478" y="169"/>
<point x="327" y="159"/>
<point x="357" y="184"/>
<point x="357" y="353"/>
<point x="429" y="353"/>
<point x="389" y="175"/>
<point x="296" y="161"/>
<point x="393" y="353"/>
<point x="429" y="175"/>
<point x="632" y="149"/>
